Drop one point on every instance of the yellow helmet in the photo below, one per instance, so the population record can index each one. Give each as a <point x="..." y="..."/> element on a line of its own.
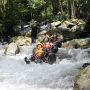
<point x="39" y="44"/>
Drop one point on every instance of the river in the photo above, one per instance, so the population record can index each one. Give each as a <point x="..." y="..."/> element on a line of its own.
<point x="15" y="74"/>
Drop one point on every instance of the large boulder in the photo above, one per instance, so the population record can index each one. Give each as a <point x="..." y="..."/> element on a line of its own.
<point x="55" y="24"/>
<point x="73" y="24"/>
<point x="66" y="33"/>
<point x="67" y="24"/>
<point x="51" y="31"/>
<point x="78" y="28"/>
<point x="75" y="28"/>
<point x="21" y="40"/>
<point x="12" y="49"/>
<point x="27" y="34"/>
<point x="78" y="21"/>
<point x="76" y="43"/>
<point x="43" y="32"/>
<point x="82" y="81"/>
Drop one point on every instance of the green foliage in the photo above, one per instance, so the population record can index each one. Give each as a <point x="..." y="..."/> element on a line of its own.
<point x="1" y="28"/>
<point x="36" y="3"/>
<point x="36" y="7"/>
<point x="16" y="10"/>
<point x="84" y="4"/>
<point x="13" y="12"/>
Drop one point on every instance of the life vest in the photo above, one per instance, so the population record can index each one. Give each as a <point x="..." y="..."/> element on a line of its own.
<point x="47" y="45"/>
<point x="38" y="53"/>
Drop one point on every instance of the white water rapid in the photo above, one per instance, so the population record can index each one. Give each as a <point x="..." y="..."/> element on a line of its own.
<point x="15" y="74"/>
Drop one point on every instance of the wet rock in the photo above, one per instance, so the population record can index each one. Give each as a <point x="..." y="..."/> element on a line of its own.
<point x="78" y="21"/>
<point x="76" y="43"/>
<point x="74" y="28"/>
<point x="21" y="40"/>
<point x="12" y="49"/>
<point x="74" y="20"/>
<point x="82" y="81"/>
<point x="69" y="30"/>
<point x="51" y="58"/>
<point x="85" y="65"/>
<point x="63" y="54"/>
<point x="27" y="34"/>
<point x="66" y="32"/>
<point x="42" y="32"/>
<point x="67" y="24"/>
<point x="51" y="31"/>
<point x="55" y="24"/>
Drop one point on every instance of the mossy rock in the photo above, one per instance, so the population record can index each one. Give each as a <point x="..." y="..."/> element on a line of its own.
<point x="51" y="31"/>
<point x="21" y="40"/>
<point x="27" y="34"/>
<point x="77" y="43"/>
<point x="82" y="81"/>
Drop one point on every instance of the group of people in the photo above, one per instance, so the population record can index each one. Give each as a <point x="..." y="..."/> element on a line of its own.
<point x="44" y="46"/>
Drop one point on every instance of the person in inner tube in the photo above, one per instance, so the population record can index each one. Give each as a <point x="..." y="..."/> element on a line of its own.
<point x="39" y="53"/>
<point x="47" y="46"/>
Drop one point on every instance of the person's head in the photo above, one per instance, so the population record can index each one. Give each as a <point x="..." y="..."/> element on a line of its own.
<point x="34" y="24"/>
<point x="46" y="38"/>
<point x="39" y="46"/>
<point x="55" y="37"/>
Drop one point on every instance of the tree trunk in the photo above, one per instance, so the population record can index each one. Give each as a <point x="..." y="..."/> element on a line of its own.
<point x="71" y="8"/>
<point x="61" y="7"/>
<point x="2" y="5"/>
<point x="55" y="6"/>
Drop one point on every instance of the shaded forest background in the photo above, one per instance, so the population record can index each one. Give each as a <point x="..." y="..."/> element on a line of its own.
<point x="14" y="12"/>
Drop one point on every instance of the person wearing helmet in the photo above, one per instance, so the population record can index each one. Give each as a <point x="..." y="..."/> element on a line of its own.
<point x="47" y="46"/>
<point x="39" y="52"/>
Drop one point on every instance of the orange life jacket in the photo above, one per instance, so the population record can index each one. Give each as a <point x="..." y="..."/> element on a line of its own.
<point x="38" y="53"/>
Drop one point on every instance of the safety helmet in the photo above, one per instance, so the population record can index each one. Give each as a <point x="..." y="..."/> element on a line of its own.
<point x="39" y="44"/>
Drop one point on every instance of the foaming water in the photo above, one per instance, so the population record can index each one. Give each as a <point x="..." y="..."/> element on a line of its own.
<point x="15" y="74"/>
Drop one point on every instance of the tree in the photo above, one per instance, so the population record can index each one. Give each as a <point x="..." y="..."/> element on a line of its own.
<point x="36" y="7"/>
<point x="12" y="15"/>
<point x="2" y="8"/>
<point x="71" y="8"/>
<point x="2" y="5"/>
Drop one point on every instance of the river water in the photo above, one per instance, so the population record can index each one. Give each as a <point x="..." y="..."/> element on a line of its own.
<point x="15" y="74"/>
